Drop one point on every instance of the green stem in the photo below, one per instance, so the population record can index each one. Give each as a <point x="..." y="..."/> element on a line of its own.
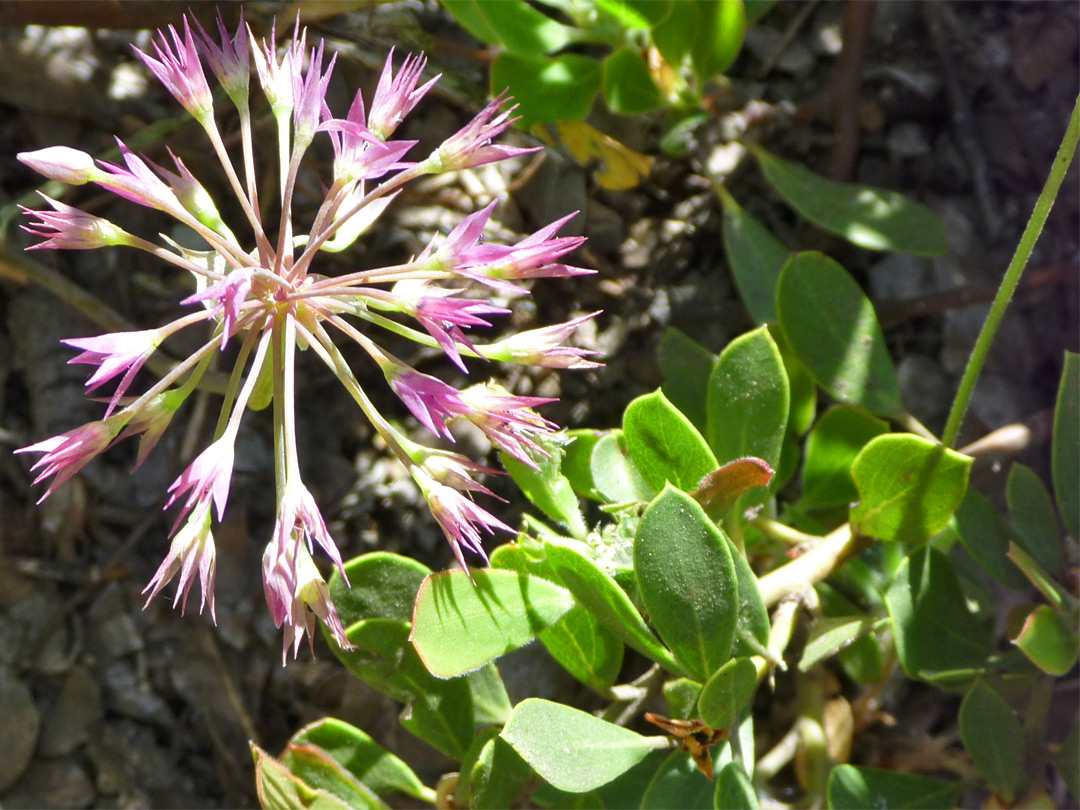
<point x="1012" y="277"/>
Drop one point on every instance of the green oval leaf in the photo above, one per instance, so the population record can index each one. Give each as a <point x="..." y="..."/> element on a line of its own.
<point x="571" y="749"/>
<point x="854" y="788"/>
<point x="628" y="87"/>
<point x="829" y="636"/>
<point x="586" y="648"/>
<point x="727" y="693"/>
<point x="277" y="787"/>
<point x="514" y="24"/>
<point x="831" y="449"/>
<point x="548" y="89"/>
<point x="687" y="581"/>
<point x="677" y="783"/>
<point x="321" y="772"/>
<point x="381" y="586"/>
<point x="716" y="42"/>
<point x="833" y="329"/>
<point x="752" y="631"/>
<point x="492" y="774"/>
<point x="734" y="790"/>
<point x="681" y="696"/>
<point x="686" y="366"/>
<point x="1032" y="511"/>
<point x="986" y="535"/>
<point x="548" y="488"/>
<point x="908" y="487"/>
<point x="937" y="636"/>
<point x="616" y="476"/>
<point x="362" y="757"/>
<point x="603" y="597"/>
<point x="994" y="737"/>
<point x="756" y="258"/>
<point x="1065" y="457"/>
<point x="664" y="445"/>
<point x="748" y="400"/>
<point x="459" y="626"/>
<point x="577" y="461"/>
<point x="1048" y="641"/>
<point x="869" y="217"/>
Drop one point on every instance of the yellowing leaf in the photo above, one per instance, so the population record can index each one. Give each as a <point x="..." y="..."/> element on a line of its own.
<point x="619" y="167"/>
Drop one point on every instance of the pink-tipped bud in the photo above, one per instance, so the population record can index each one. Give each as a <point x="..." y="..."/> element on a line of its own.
<point x="61" y="163"/>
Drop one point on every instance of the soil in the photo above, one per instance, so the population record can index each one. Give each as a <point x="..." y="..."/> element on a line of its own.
<point x="105" y="703"/>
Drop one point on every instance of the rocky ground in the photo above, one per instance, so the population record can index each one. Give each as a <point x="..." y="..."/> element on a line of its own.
<point x="105" y="704"/>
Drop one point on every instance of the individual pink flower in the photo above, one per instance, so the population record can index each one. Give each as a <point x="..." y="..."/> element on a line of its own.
<point x="138" y="183"/>
<point x="442" y="315"/>
<point x="395" y="96"/>
<point x="471" y="145"/>
<point x="69" y="452"/>
<point x="309" y="92"/>
<point x="71" y="166"/>
<point x="276" y="77"/>
<point x="456" y="249"/>
<point x="192" y="550"/>
<point x="179" y="69"/>
<point x="299" y="520"/>
<point x="358" y="154"/>
<point x="508" y="421"/>
<point x="460" y="519"/>
<point x="455" y="470"/>
<point x="229" y="295"/>
<point x="68" y="228"/>
<point x="543" y="347"/>
<point x="231" y="62"/>
<point x="115" y="353"/>
<point x="296" y="594"/>
<point x="206" y="478"/>
<point x="430" y="399"/>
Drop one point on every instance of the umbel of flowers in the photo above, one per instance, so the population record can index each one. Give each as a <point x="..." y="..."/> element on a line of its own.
<point x="270" y="300"/>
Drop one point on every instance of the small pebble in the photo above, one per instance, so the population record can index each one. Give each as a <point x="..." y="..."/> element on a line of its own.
<point x="907" y="140"/>
<point x="18" y="731"/>
<point x="77" y="709"/>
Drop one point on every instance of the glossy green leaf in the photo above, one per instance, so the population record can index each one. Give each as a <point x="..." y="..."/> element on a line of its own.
<point x="861" y="658"/>
<point x="1033" y="515"/>
<point x="831" y="449"/>
<point x="571" y="749"/>
<point x="830" y="635"/>
<point x="491" y="704"/>
<point x="800" y="381"/>
<point x="664" y="445"/>
<point x="1048" y="641"/>
<point x="1037" y="576"/>
<point x="677" y="783"/>
<point x="994" y="736"/>
<point x="548" y="89"/>
<point x="673" y="34"/>
<point x="986" y="536"/>
<point x="755" y="257"/>
<point x="602" y="596"/>
<point x="869" y="217"/>
<point x="513" y="24"/>
<point x="687" y="581"/>
<point x="752" y="631"/>
<point x="834" y="331"/>
<point x="577" y="460"/>
<point x="615" y="474"/>
<point x="681" y="695"/>
<point x="548" y="488"/>
<point x="492" y="774"/>
<point x="727" y="693"/>
<point x="718" y="39"/>
<point x="362" y="757"/>
<point x="937" y="636"/>
<point x="1065" y="457"/>
<point x="440" y="712"/>
<point x="628" y="86"/>
<point x="585" y="647"/>
<point x="748" y="400"/>
<point x="280" y="789"/>
<point x="734" y="790"/>
<point x="686" y="366"/>
<point x="461" y="624"/>
<point x="321" y="772"/>
<point x="381" y="586"/>
<point x="1067" y="761"/>
<point x="854" y="788"/>
<point x="635" y="13"/>
<point x="908" y="487"/>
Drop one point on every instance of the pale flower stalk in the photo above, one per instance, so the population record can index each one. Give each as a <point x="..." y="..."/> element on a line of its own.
<point x="259" y="289"/>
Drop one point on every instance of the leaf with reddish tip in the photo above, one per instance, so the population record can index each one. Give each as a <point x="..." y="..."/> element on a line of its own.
<point x="720" y="489"/>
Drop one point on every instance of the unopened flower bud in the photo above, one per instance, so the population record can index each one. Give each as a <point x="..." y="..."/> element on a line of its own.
<point x="62" y="163"/>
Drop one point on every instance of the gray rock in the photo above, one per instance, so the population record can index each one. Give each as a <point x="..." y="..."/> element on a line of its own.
<point x="53" y="784"/>
<point x="925" y="387"/>
<point x="897" y="277"/>
<point x="77" y="709"/>
<point x="113" y="632"/>
<point x="907" y="140"/>
<point x="18" y="731"/>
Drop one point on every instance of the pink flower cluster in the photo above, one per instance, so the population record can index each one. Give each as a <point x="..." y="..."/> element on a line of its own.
<point x="265" y="296"/>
